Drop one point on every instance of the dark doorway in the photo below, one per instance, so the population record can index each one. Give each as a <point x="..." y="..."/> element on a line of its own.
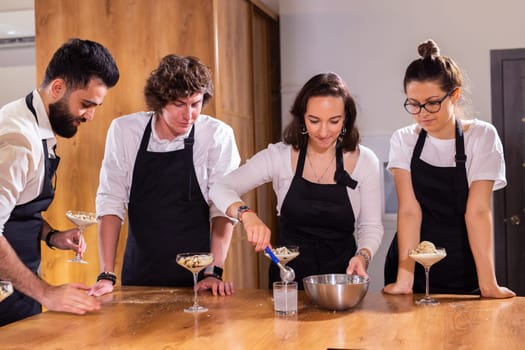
<point x="508" y="115"/>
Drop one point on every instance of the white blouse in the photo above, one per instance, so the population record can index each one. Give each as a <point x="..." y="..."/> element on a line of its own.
<point x="483" y="148"/>
<point x="273" y="164"/>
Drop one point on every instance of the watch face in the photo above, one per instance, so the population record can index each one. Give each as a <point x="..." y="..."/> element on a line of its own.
<point x="241" y="209"/>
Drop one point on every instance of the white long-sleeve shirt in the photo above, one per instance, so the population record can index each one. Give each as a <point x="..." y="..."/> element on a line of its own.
<point x="22" y="163"/>
<point x="274" y="164"/>
<point x="214" y="154"/>
<point x="483" y="148"/>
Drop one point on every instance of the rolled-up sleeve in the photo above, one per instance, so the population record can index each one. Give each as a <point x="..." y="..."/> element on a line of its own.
<point x="16" y="164"/>
<point x="115" y="175"/>
<point x="223" y="158"/>
<point x="255" y="172"/>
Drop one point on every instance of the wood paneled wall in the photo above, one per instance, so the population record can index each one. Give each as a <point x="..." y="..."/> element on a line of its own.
<point x="139" y="33"/>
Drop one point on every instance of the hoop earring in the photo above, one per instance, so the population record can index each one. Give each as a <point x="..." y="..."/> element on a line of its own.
<point x="303" y="130"/>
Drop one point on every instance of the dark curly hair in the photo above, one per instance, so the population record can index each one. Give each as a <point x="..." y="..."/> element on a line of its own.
<point x="177" y="77"/>
<point x="324" y="84"/>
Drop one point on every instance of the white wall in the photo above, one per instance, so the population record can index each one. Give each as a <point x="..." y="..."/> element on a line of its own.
<point x="370" y="43"/>
<point x="17" y="64"/>
<point x="17" y="73"/>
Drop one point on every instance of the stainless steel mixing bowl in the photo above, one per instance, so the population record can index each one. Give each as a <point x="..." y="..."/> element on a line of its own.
<point x="336" y="291"/>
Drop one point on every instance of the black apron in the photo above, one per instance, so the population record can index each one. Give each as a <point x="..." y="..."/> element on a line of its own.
<point x="167" y="215"/>
<point x="320" y="220"/>
<point x="22" y="231"/>
<point x="442" y="194"/>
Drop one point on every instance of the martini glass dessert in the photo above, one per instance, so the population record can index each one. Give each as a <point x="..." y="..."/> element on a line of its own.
<point x="195" y="262"/>
<point x="427" y="255"/>
<point x="82" y="219"/>
<point x="284" y="255"/>
<point x="6" y="289"/>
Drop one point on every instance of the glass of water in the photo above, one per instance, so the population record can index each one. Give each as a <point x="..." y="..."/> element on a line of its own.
<point x="285" y="298"/>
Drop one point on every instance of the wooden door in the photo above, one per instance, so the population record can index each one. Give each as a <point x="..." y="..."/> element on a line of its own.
<point x="267" y="114"/>
<point x="508" y="112"/>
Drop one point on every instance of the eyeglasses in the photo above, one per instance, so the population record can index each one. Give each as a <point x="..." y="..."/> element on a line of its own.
<point x="430" y="106"/>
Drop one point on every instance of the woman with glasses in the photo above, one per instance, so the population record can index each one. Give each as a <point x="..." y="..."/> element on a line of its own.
<point x="327" y="186"/>
<point x="445" y="168"/>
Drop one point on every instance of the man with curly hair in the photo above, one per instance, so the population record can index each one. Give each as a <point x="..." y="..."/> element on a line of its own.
<point x="159" y="166"/>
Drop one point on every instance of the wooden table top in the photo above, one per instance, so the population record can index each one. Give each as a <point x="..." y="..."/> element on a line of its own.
<point x="153" y="318"/>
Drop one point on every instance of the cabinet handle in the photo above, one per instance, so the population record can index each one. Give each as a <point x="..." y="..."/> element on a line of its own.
<point x="515" y="220"/>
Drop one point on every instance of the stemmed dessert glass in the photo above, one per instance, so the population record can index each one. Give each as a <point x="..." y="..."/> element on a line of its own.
<point x="82" y="219"/>
<point x="6" y="289"/>
<point x="195" y="262"/>
<point x="284" y="254"/>
<point x="427" y="260"/>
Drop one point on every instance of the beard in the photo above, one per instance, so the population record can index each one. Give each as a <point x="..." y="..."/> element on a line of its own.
<point x="61" y="119"/>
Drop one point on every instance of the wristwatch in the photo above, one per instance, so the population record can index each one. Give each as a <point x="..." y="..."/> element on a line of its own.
<point x="48" y="238"/>
<point x="214" y="271"/>
<point x="241" y="210"/>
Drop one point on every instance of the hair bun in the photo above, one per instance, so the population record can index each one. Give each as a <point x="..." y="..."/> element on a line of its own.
<point x="428" y="49"/>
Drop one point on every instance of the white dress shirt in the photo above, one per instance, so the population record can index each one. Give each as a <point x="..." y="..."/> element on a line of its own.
<point x="22" y="163"/>
<point x="214" y="154"/>
<point x="274" y="164"/>
<point x="483" y="148"/>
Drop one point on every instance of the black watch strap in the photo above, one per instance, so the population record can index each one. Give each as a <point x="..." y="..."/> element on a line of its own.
<point x="214" y="271"/>
<point x="48" y="238"/>
<point x="110" y="276"/>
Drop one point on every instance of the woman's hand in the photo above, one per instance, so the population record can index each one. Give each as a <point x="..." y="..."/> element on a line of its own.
<point x="497" y="292"/>
<point x="257" y="232"/>
<point x="397" y="288"/>
<point x="357" y="266"/>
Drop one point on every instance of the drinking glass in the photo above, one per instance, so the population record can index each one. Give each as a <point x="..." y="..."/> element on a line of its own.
<point x="195" y="262"/>
<point x="427" y="260"/>
<point x="285" y="298"/>
<point x="82" y="219"/>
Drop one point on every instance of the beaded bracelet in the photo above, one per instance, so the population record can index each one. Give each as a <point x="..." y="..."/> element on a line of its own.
<point x="365" y="256"/>
<point x="110" y="276"/>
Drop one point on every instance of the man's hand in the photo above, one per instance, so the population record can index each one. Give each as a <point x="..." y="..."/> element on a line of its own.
<point x="71" y="298"/>
<point x="101" y="287"/>
<point x="216" y="286"/>
<point x="69" y="240"/>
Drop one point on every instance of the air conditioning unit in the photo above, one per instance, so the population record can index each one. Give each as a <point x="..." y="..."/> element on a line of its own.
<point x="17" y="28"/>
